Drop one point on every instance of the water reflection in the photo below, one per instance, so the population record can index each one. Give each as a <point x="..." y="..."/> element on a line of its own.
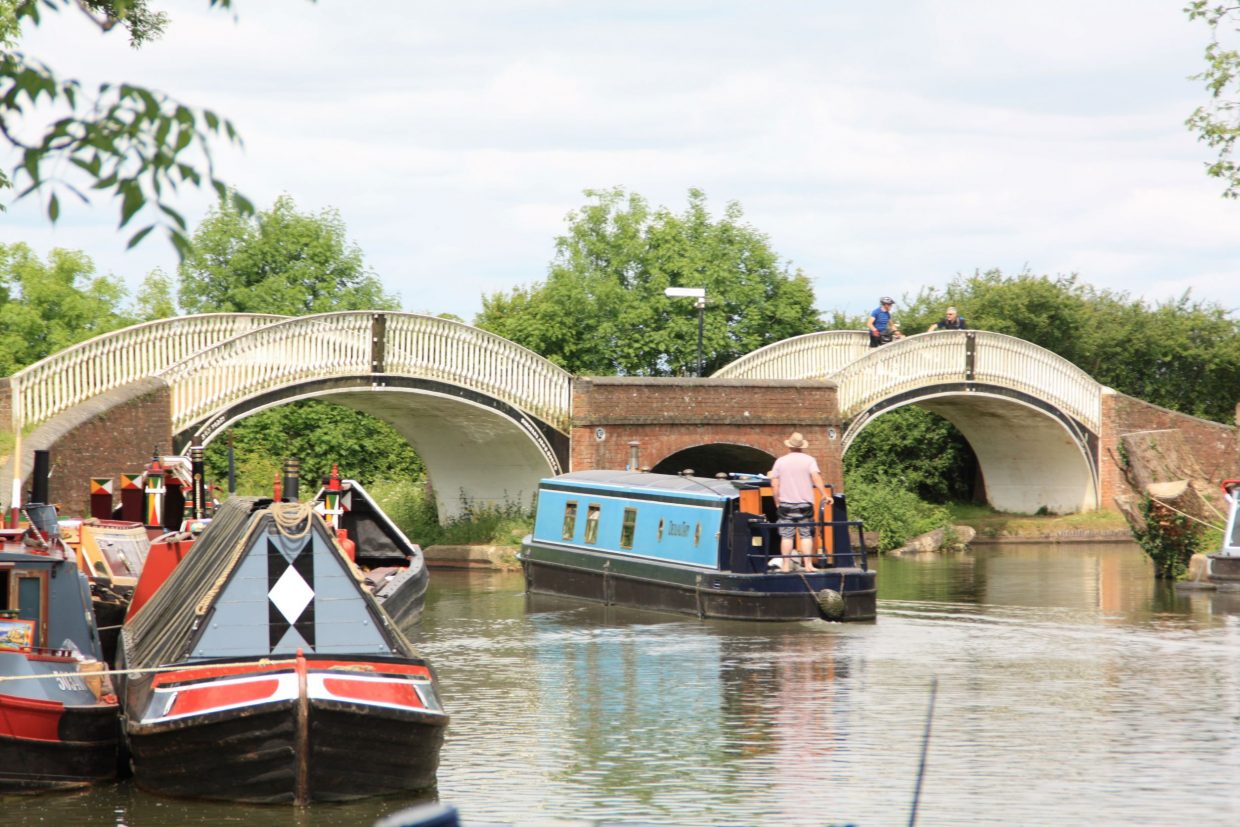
<point x="1072" y="688"/>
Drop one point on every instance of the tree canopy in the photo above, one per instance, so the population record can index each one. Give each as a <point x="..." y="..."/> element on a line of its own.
<point x="117" y="138"/>
<point x="48" y="306"/>
<point x="602" y="309"/>
<point x="277" y="261"/>
<point x="1217" y="122"/>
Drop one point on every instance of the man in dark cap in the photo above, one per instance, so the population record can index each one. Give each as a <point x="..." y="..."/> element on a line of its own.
<point x="880" y="322"/>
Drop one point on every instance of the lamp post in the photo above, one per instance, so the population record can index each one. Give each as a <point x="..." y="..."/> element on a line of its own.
<point x="698" y="293"/>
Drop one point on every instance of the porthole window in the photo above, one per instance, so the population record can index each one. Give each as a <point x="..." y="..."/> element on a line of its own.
<point x="592" y="523"/>
<point x="628" y="528"/>
<point x="570" y="520"/>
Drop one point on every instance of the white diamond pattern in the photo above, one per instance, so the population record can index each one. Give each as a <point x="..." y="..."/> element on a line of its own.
<point x="290" y="594"/>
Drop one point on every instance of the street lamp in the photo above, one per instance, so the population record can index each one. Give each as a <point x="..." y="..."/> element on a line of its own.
<point x="698" y="293"/>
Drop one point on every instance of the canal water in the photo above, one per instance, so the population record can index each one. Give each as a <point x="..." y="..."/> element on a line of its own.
<point x="1071" y="689"/>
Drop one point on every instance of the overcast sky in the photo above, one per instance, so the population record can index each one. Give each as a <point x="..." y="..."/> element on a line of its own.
<point x="881" y="147"/>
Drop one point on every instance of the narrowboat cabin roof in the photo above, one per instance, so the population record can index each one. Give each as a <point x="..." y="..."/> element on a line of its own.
<point x="681" y="486"/>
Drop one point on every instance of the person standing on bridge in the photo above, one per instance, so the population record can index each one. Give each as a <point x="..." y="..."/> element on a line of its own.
<point x="794" y="477"/>
<point x="951" y="321"/>
<point x="880" y="322"/>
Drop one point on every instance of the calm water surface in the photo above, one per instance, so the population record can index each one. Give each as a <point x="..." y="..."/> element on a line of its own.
<point x="1072" y="689"/>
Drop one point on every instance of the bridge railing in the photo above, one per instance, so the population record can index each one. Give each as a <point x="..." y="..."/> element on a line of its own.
<point x="85" y="370"/>
<point x="463" y="355"/>
<point x="811" y="356"/>
<point x="943" y="357"/>
<point x="344" y="344"/>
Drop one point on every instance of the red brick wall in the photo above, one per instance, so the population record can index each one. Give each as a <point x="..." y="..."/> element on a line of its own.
<point x="669" y="415"/>
<point x="112" y="441"/>
<point x="1215" y="446"/>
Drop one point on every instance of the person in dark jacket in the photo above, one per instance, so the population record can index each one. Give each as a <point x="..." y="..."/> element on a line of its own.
<point x="951" y="321"/>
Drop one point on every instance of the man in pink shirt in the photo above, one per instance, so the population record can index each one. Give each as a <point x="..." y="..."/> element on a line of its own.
<point x="793" y="480"/>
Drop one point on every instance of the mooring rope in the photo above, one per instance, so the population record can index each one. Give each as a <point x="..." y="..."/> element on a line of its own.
<point x="149" y="669"/>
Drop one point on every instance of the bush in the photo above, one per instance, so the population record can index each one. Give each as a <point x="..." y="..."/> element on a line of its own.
<point x="1169" y="538"/>
<point x="897" y="515"/>
<point x="412" y="507"/>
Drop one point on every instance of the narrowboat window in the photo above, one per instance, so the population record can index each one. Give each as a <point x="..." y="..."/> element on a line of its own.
<point x="592" y="523"/>
<point x="660" y="535"/>
<point x="697" y="534"/>
<point x="628" y="528"/>
<point x="570" y="520"/>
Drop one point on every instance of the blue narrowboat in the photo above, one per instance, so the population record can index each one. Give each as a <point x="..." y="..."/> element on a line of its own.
<point x="692" y="545"/>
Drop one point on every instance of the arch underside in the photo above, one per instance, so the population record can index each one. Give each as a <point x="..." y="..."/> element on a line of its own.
<point x="714" y="458"/>
<point x="477" y="450"/>
<point x="1031" y="454"/>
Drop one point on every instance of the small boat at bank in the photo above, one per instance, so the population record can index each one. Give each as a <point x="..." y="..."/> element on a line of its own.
<point x="58" y="720"/>
<point x="1225" y="563"/>
<point x="691" y="545"/>
<point x="111" y="553"/>
<point x="394" y="568"/>
<point x="262" y="671"/>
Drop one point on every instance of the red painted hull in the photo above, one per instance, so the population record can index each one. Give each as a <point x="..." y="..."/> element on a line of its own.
<point x="45" y="745"/>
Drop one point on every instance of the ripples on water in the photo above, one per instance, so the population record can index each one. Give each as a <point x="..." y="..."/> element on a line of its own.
<point x="1072" y="689"/>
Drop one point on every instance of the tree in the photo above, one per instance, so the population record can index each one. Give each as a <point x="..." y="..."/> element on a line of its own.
<point x="155" y="298"/>
<point x="277" y="261"/>
<point x="319" y="435"/>
<point x="602" y="309"/>
<point x="47" y="306"/>
<point x="1217" y="123"/>
<point x="121" y="139"/>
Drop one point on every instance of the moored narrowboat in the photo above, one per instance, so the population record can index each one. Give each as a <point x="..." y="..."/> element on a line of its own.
<point x="692" y="545"/>
<point x="262" y="671"/>
<point x="1225" y="563"/>
<point x="58" y="718"/>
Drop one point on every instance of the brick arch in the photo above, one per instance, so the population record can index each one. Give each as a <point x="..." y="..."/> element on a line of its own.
<point x="669" y="416"/>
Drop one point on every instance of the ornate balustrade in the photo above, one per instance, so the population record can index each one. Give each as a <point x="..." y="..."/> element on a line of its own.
<point x="364" y="342"/>
<point x="76" y="374"/>
<point x="812" y="356"/>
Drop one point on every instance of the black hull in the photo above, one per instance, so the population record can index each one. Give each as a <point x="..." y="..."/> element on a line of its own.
<point x="645" y="584"/>
<point x="85" y="754"/>
<point x="249" y="755"/>
<point x="404" y="597"/>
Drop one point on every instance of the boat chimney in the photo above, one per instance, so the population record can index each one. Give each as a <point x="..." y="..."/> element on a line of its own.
<point x="153" y="493"/>
<point x="633" y="446"/>
<point x="197" y="469"/>
<point x="292" y="479"/>
<point x="277" y="488"/>
<point x="41" y="479"/>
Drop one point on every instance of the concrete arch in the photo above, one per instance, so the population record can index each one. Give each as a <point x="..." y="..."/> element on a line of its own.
<point x="478" y="450"/>
<point x="1031" y="454"/>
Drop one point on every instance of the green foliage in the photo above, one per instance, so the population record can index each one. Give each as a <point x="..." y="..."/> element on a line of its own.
<point x="319" y="434"/>
<point x="48" y="306"/>
<point x="602" y="309"/>
<point x="412" y="507"/>
<point x="1216" y="122"/>
<point x="914" y="450"/>
<point x="896" y="513"/>
<point x="1180" y="354"/>
<point x="277" y="261"/>
<point x="1169" y="538"/>
<point x="155" y="298"/>
<point x="123" y="140"/>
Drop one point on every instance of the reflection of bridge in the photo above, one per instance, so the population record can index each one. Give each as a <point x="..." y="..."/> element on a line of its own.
<point x="490" y="417"/>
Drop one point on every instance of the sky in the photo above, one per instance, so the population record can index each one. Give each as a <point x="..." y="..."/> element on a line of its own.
<point x="882" y="148"/>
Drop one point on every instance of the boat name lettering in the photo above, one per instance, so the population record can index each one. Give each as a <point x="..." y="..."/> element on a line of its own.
<point x="68" y="683"/>
<point x="678" y="529"/>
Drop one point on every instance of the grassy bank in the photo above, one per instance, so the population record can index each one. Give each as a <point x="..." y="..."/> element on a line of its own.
<point x="991" y="524"/>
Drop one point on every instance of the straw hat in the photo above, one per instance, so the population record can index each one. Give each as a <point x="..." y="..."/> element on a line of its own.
<point x="796" y="441"/>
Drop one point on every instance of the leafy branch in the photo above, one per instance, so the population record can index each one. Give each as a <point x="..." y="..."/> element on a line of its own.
<point x="127" y="140"/>
<point x="1217" y="123"/>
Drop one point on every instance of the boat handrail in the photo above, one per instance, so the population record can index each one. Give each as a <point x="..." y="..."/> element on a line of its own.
<point x="855" y="552"/>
